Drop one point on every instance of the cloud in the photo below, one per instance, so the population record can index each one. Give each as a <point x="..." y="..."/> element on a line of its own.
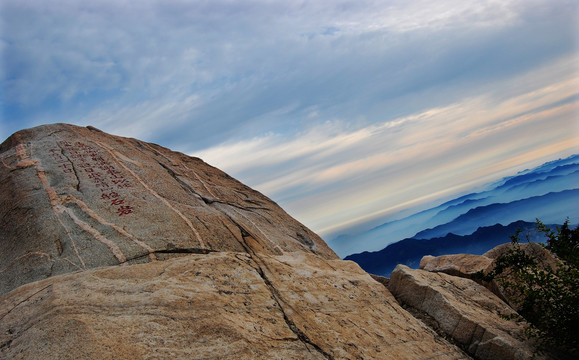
<point x="343" y="111"/>
<point x="334" y="176"/>
<point x="108" y="62"/>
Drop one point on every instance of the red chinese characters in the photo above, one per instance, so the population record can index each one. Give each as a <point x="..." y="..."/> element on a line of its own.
<point x="87" y="160"/>
<point x="124" y="210"/>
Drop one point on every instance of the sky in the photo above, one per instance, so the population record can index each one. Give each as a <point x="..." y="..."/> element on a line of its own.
<point x="346" y="113"/>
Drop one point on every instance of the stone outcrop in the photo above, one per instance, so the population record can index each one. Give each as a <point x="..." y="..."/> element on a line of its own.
<point x="112" y="248"/>
<point x="462" y="265"/>
<point x="467" y="265"/>
<point x="440" y="291"/>
<point x="76" y="198"/>
<point x="540" y="254"/>
<point x="544" y="258"/>
<point x="221" y="305"/>
<point x="467" y="312"/>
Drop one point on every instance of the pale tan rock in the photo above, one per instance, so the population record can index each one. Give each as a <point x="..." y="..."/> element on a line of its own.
<point x="74" y="198"/>
<point x="221" y="305"/>
<point x="463" y="265"/>
<point x="87" y="216"/>
<point x="466" y="265"/>
<point x="465" y="310"/>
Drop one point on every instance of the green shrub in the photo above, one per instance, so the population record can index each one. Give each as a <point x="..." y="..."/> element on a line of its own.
<point x="548" y="298"/>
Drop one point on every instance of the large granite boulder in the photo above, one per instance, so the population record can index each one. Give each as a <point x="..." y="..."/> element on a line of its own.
<point x="112" y="248"/>
<point x="222" y="305"/>
<point x="469" y="313"/>
<point x="467" y="266"/>
<point x="462" y="265"/>
<point x="75" y="198"/>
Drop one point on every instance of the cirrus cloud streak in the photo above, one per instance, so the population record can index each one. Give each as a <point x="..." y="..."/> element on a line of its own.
<point x="346" y="177"/>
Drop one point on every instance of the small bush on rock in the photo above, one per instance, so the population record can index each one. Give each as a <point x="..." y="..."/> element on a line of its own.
<point x="547" y="297"/>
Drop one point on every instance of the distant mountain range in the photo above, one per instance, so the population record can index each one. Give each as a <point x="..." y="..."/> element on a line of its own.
<point x="567" y="203"/>
<point x="472" y="223"/>
<point x="410" y="251"/>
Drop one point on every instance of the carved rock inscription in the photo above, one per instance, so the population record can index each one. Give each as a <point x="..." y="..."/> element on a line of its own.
<point x="77" y="198"/>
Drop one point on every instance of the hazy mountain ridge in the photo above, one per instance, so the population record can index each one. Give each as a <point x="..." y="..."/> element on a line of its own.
<point x="529" y="178"/>
<point x="507" y="213"/>
<point x="546" y="167"/>
<point x="547" y="192"/>
<point x="410" y="251"/>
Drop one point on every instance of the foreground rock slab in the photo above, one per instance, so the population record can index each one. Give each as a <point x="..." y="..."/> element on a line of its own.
<point x="468" y="312"/>
<point x="222" y="305"/>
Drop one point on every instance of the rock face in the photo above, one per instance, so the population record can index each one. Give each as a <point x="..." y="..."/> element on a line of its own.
<point x="466" y="311"/>
<point x="217" y="306"/>
<point x="462" y="265"/>
<point x="536" y="251"/>
<point x="112" y="248"/>
<point x="466" y="266"/>
<point x="76" y="198"/>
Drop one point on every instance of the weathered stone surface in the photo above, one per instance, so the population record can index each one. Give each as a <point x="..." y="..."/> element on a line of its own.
<point x="462" y="265"/>
<point x="85" y="218"/>
<point x="221" y="305"/>
<point x="75" y="198"/>
<point x="539" y="253"/>
<point x="465" y="310"/>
